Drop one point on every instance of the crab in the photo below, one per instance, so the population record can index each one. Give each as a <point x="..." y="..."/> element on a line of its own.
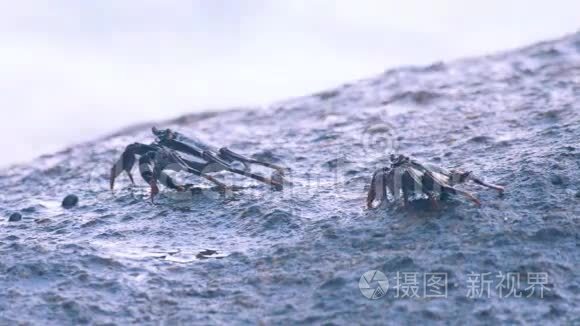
<point x="408" y="177"/>
<point x="175" y="151"/>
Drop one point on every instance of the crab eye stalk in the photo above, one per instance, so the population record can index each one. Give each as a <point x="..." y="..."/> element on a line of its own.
<point x="163" y="133"/>
<point x="158" y="133"/>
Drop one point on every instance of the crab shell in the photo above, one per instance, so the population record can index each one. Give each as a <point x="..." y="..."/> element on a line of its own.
<point x="407" y="177"/>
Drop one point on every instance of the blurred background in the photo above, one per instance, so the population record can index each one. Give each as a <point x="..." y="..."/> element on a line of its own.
<point x="71" y="71"/>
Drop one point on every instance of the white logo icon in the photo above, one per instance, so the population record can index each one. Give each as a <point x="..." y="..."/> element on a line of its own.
<point x="373" y="284"/>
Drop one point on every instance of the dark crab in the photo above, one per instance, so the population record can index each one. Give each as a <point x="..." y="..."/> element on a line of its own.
<point x="177" y="152"/>
<point x="408" y="177"/>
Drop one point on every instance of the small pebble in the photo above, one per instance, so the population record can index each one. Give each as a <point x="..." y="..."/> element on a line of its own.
<point x="70" y="201"/>
<point x="556" y="179"/>
<point x="204" y="254"/>
<point x="15" y="217"/>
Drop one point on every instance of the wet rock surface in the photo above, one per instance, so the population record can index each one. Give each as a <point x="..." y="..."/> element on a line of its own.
<point x="296" y="256"/>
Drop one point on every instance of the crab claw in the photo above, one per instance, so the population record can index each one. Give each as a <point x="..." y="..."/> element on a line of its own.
<point x="125" y="163"/>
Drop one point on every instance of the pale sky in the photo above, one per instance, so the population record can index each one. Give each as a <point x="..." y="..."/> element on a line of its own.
<point x="71" y="71"/>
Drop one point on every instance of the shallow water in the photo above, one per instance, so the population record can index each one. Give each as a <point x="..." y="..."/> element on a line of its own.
<point x="297" y="255"/>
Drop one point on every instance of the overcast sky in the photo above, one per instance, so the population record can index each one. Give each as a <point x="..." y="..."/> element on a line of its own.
<point x="74" y="70"/>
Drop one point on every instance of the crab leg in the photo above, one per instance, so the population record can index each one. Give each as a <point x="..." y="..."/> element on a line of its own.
<point x="197" y="169"/>
<point x="169" y="182"/>
<point x="227" y="153"/>
<point x="500" y="189"/>
<point x="433" y="200"/>
<point x="213" y="158"/>
<point x="377" y="189"/>
<point x="214" y="180"/>
<point x="467" y="195"/>
<point x="405" y="197"/>
<point x="195" y="147"/>
<point x="277" y="185"/>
